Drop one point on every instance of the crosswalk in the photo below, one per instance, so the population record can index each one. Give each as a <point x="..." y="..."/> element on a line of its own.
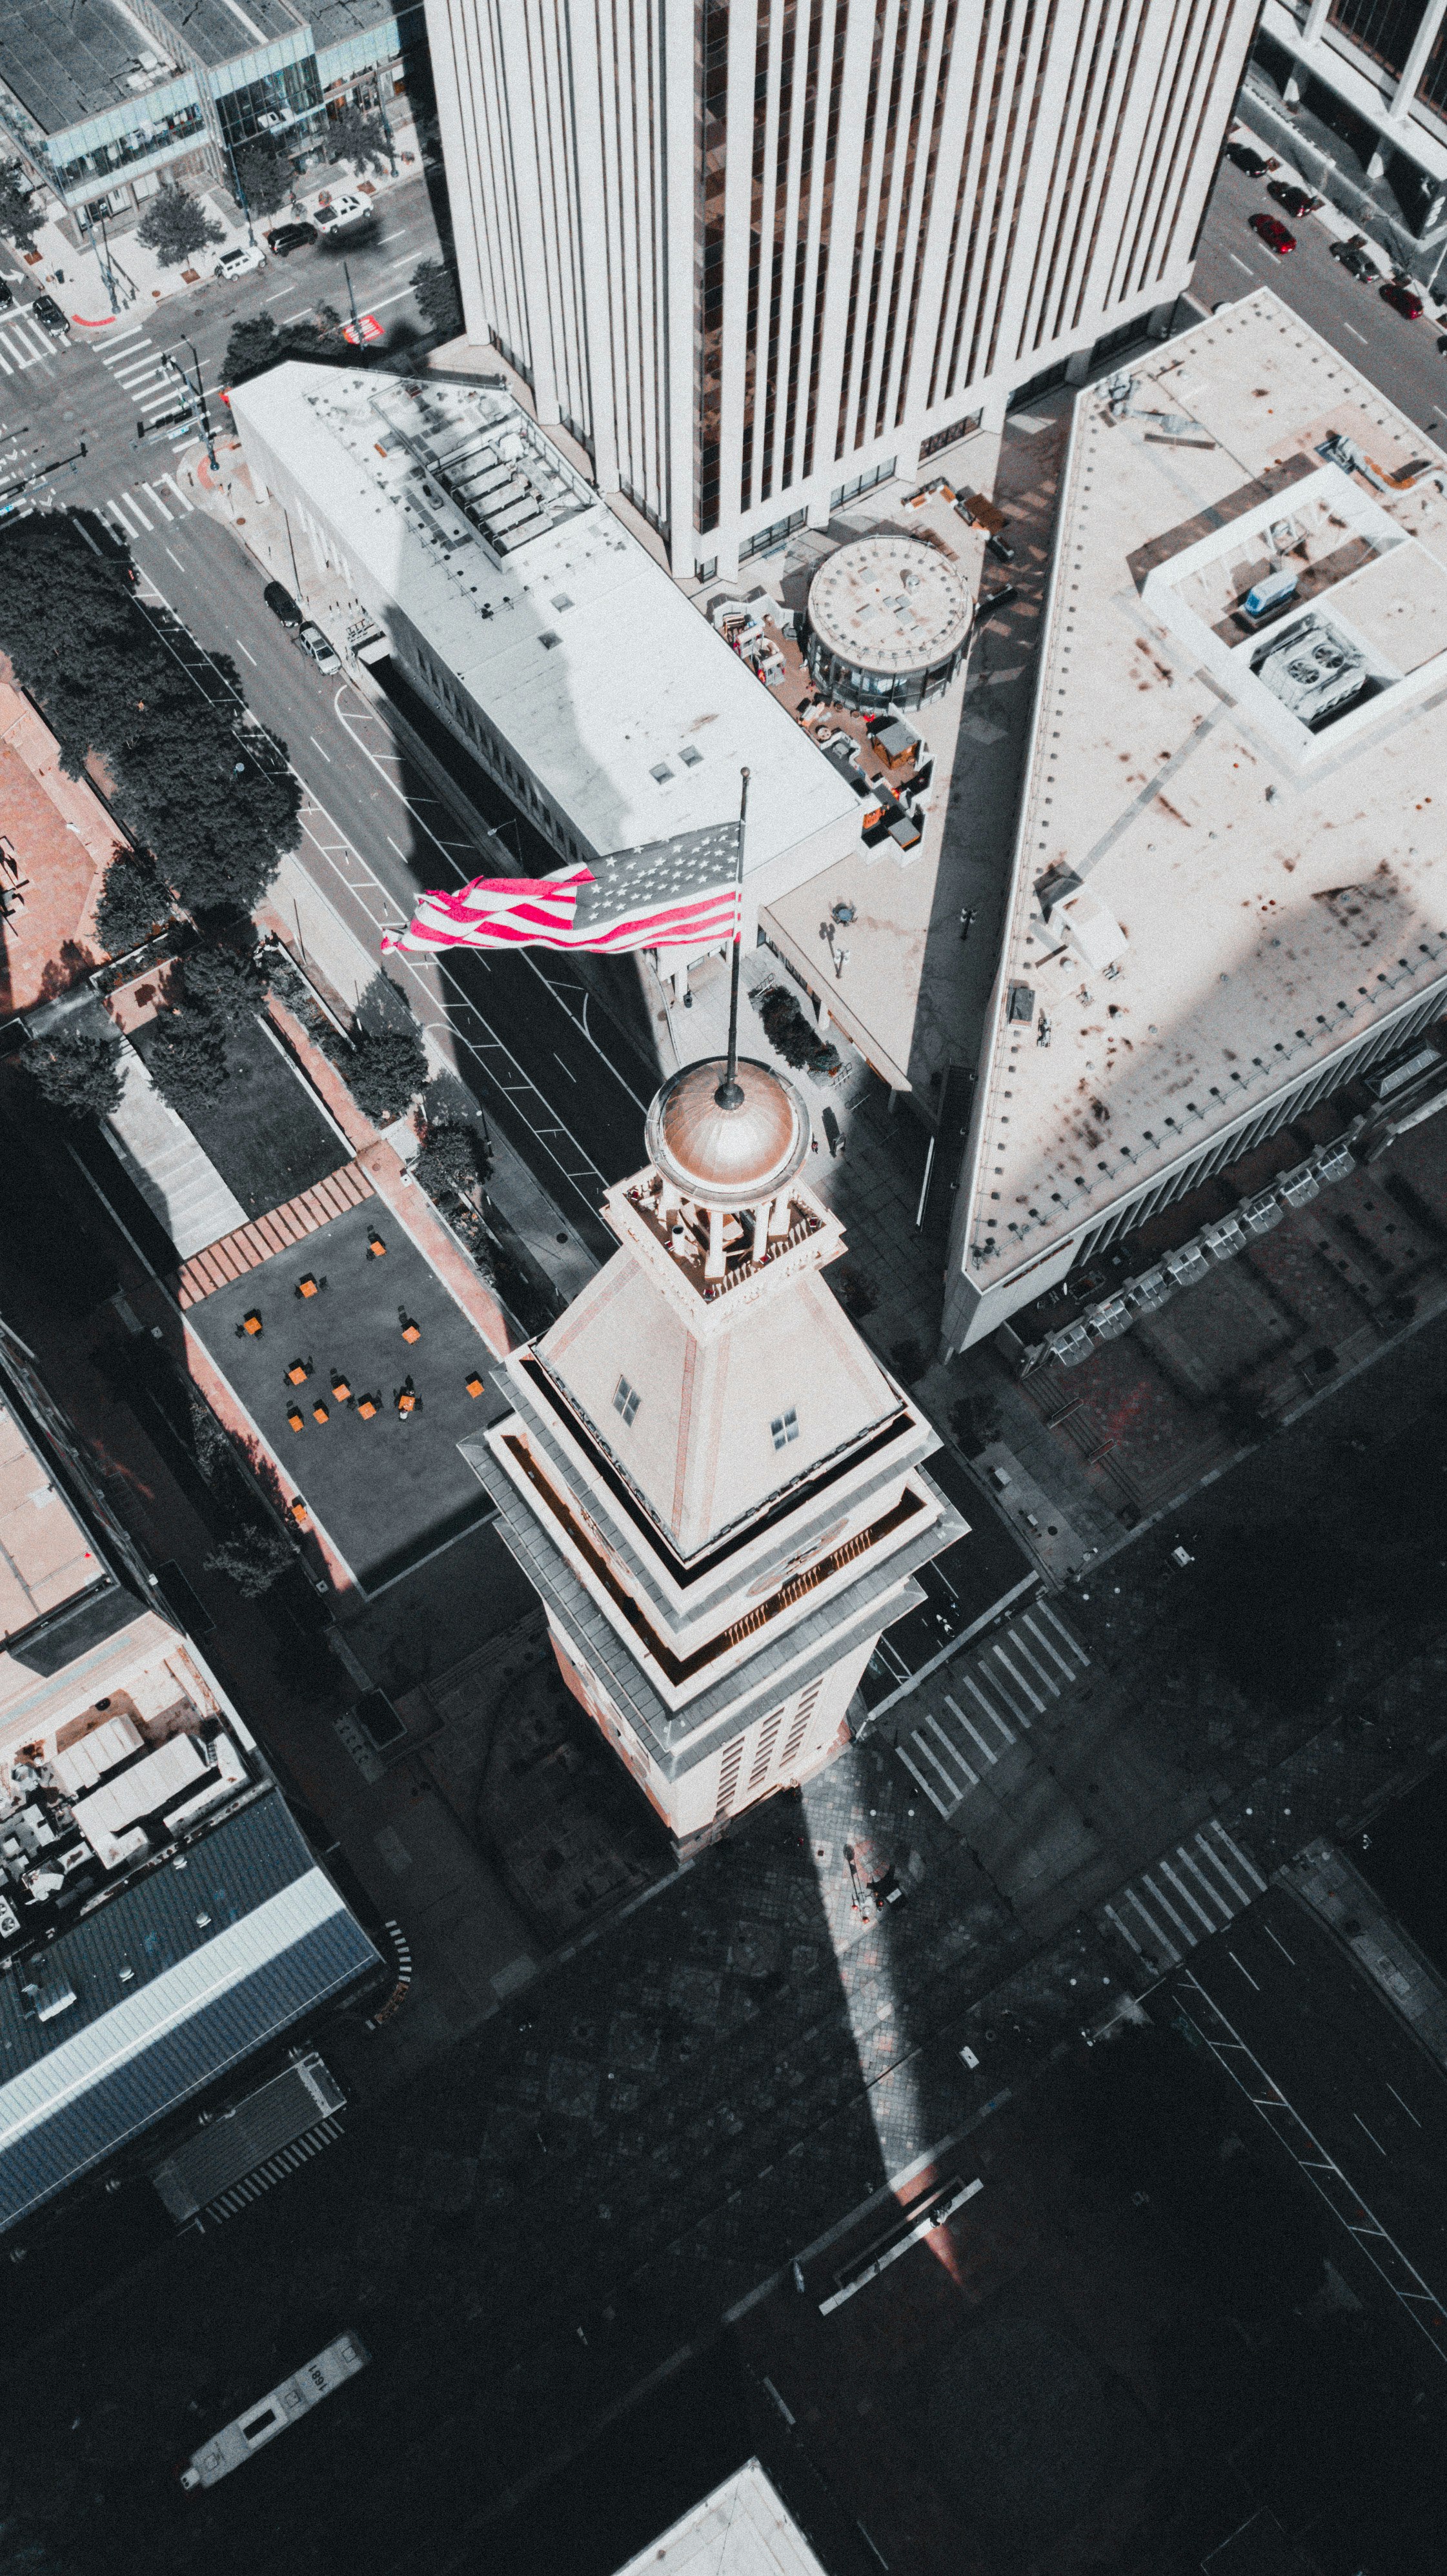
<point x="148" y="377"/>
<point x="23" y="344"/>
<point x="1195" y="1891"/>
<point x="144" y="507"/>
<point x="995" y="1692"/>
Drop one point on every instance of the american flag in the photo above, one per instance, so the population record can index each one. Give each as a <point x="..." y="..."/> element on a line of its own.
<point x="681" y="893"/>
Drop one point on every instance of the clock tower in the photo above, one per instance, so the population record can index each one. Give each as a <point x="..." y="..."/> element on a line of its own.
<point x="715" y="1488"/>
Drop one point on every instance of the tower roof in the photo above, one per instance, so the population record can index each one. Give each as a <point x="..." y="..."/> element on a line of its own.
<point x="722" y="1157"/>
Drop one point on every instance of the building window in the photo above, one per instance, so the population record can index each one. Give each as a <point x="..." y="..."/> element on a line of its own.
<point x="785" y="1427"/>
<point x="625" y="1401"/>
<point x="939" y="439"/>
<point x="763" y="538"/>
<point x="1385" y="29"/>
<point x="862" y="483"/>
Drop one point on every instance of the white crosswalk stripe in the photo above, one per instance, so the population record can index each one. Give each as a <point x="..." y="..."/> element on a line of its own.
<point x="128" y="502"/>
<point x="995" y="1691"/>
<point x="23" y="344"/>
<point x="1195" y="1891"/>
<point x="117" y="353"/>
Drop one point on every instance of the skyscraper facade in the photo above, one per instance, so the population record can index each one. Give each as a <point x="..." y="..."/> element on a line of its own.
<point x="757" y="255"/>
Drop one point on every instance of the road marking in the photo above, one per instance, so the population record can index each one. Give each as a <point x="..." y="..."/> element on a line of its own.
<point x="1167" y="1907"/>
<point x="168" y="515"/>
<point x="567" y="1068"/>
<point x="1411" y="2114"/>
<point x="970" y="1728"/>
<point x="326" y="755"/>
<point x="176" y="560"/>
<point x="1286" y="1954"/>
<point x="1246" y="1973"/>
<point x="128" y="501"/>
<point x="397" y="846"/>
<point x="956" y="1756"/>
<point x="1356" y="334"/>
<point x="1244" y="263"/>
<point x="1238" y="1854"/>
<point x="180" y="495"/>
<point x="126" y="346"/>
<point x="251" y="657"/>
<point x="1187" y="1898"/>
<point x="991" y="1712"/>
<point x="295" y="317"/>
<point x="1161" y="1940"/>
<point x="1366" y="2133"/>
<point x="399" y="298"/>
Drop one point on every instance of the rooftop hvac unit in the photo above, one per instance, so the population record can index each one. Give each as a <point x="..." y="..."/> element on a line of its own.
<point x="1109" y="1319"/>
<point x="1187" y="1265"/>
<point x="1334" y="1162"/>
<point x="1260" y="1214"/>
<point x="1299" y="1186"/>
<point x="1069" y="1346"/>
<point x="1152" y="1289"/>
<point x="1224" y="1239"/>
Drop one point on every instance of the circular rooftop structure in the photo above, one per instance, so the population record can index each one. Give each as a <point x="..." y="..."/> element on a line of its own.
<point x="889" y="619"/>
<point x="727" y="1158"/>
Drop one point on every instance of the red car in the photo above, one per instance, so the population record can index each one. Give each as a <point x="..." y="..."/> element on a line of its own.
<point x="1274" y="233"/>
<point x="1402" y="299"/>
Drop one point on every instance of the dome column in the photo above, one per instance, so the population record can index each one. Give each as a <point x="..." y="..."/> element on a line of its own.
<point x="714" y="1265"/>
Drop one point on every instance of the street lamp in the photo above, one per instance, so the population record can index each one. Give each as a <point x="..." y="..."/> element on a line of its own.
<point x="201" y="404"/>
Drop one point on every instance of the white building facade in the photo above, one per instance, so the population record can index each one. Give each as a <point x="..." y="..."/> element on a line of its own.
<point x="758" y="255"/>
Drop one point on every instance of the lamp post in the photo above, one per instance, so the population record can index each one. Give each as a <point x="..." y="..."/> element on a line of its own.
<point x="201" y="405"/>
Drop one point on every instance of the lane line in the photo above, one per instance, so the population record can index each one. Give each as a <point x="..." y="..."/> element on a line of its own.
<point x="1411" y="2114"/>
<point x="1356" y="334"/>
<point x="251" y="657"/>
<point x="176" y="560"/>
<point x="1366" y="2133"/>
<point x="1286" y="1954"/>
<point x="567" y="1068"/>
<point x="1246" y="1973"/>
<point x="326" y="755"/>
<point x="1243" y="263"/>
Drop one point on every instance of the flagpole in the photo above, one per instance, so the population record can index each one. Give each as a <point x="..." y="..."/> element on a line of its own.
<point x="729" y="1094"/>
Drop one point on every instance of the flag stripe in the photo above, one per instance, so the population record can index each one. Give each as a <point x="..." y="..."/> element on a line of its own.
<point x="669" y="894"/>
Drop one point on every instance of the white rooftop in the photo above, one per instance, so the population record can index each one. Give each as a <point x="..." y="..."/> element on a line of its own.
<point x="891" y="604"/>
<point x="743" y="2529"/>
<point x="1231" y="857"/>
<point x="635" y="717"/>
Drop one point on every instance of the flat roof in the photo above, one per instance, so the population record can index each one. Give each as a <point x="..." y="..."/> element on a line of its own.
<point x="46" y="1554"/>
<point x="66" y="64"/>
<point x="220" y="30"/>
<point x="452" y="506"/>
<point x="743" y="2529"/>
<point x="389" y="1490"/>
<point x="1228" y="863"/>
<point x="891" y="604"/>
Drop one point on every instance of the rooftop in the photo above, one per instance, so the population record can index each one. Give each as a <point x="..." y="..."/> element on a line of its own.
<point x="46" y="1555"/>
<point x="544" y="614"/>
<point x="890" y="603"/>
<point x="1227" y="863"/>
<point x="66" y="64"/>
<point x="389" y="1487"/>
<point x="743" y="2529"/>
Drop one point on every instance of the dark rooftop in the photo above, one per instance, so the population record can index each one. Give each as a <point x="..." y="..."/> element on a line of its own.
<point x="116" y="2057"/>
<point x="66" y="64"/>
<point x="219" y="30"/>
<point x="389" y="1490"/>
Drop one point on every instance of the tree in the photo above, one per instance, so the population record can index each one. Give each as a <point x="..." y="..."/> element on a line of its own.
<point x="20" y="211"/>
<point x="252" y="1558"/>
<point x="77" y="1070"/>
<point x="256" y="343"/>
<point x="264" y="169"/>
<point x="384" y="1069"/>
<point x="175" y="226"/>
<point x="358" y="135"/>
<point x="435" y="288"/>
<point x="221" y="981"/>
<point x="454" y="1157"/>
<point x="134" y="902"/>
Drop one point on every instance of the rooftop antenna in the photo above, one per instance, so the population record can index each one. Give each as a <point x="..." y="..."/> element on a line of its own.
<point x="729" y="1094"/>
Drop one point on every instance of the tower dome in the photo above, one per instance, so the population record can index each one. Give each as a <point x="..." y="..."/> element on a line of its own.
<point x="727" y="1157"/>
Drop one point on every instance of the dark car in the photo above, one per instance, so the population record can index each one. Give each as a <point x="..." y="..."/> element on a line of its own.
<point x="7" y="292"/>
<point x="1274" y="233"/>
<point x="281" y="604"/>
<point x="1356" y="261"/>
<point x="1296" y="200"/>
<point x="290" y="237"/>
<point x="1247" y="160"/>
<point x="995" y="545"/>
<point x="1402" y="299"/>
<point x="990" y="601"/>
<point x="50" y="317"/>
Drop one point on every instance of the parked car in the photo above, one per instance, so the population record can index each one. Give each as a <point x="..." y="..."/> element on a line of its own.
<point x="1248" y="160"/>
<point x="1297" y="201"/>
<point x="997" y="546"/>
<point x="48" y="314"/>
<point x="343" y="213"/>
<point x="1402" y="299"/>
<point x="239" y="261"/>
<point x="991" y="600"/>
<point x="290" y="237"/>
<point x="1356" y="260"/>
<point x="1274" y="233"/>
<point x="281" y="604"/>
<point x="7" y="292"/>
<point x="314" y="643"/>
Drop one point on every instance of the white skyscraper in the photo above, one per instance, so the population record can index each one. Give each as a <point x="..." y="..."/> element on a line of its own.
<point x="757" y="255"/>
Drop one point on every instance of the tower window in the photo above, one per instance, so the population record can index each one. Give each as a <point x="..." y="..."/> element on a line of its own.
<point x="785" y="1427"/>
<point x="625" y="1401"/>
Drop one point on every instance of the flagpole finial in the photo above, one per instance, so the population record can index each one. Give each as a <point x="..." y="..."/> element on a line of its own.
<point x="729" y="1095"/>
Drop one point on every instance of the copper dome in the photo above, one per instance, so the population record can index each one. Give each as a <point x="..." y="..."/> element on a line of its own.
<point x="728" y="1158"/>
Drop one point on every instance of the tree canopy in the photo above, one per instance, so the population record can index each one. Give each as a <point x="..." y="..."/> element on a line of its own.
<point x="358" y="135"/>
<point x="219" y="981"/>
<point x="252" y="1558"/>
<point x="210" y="795"/>
<point x="20" y="212"/>
<point x="435" y="288"/>
<point x="264" y="169"/>
<point x="384" y="1069"/>
<point x="176" y="225"/>
<point x="257" y="343"/>
<point x="133" y="901"/>
<point x="77" y="1070"/>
